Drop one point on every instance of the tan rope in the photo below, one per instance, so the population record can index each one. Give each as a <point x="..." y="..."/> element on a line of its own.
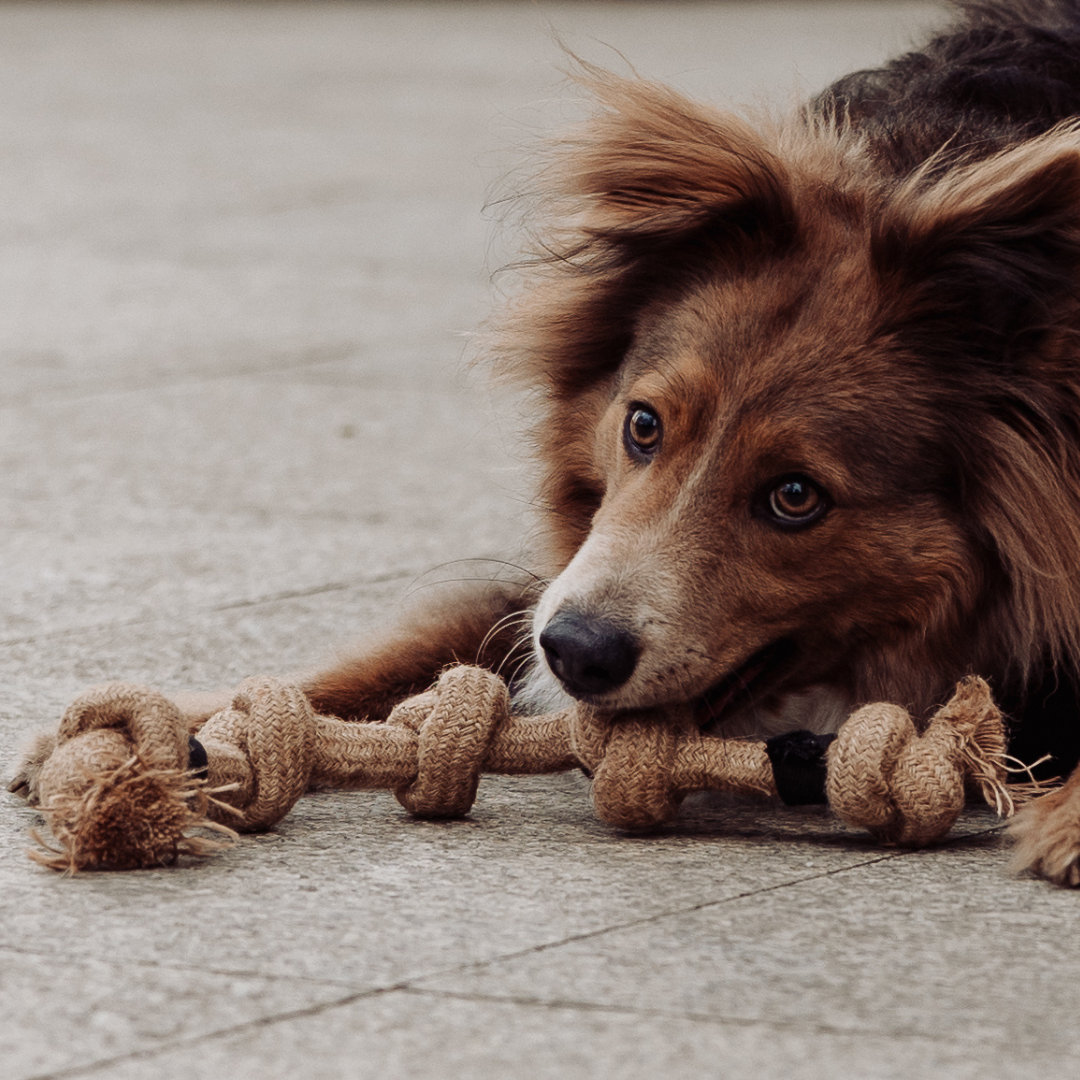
<point x="644" y="766"/>
<point x="907" y="788"/>
<point x="260" y="749"/>
<point x="117" y="791"/>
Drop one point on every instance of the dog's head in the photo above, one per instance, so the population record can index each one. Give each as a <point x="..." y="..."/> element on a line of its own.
<point x="803" y="423"/>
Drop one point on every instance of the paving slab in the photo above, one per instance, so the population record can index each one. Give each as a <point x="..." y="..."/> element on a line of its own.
<point x="242" y="246"/>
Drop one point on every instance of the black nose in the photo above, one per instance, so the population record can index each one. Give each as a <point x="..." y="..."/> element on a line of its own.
<point x="590" y="656"/>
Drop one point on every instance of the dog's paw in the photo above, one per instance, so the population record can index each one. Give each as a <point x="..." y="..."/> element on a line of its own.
<point x="1047" y="834"/>
<point x="34" y="755"/>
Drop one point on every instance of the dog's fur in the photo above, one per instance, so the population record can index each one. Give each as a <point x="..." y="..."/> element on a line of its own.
<point x="867" y="314"/>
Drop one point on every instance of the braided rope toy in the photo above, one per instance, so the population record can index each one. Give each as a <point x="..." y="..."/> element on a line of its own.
<point x="125" y="787"/>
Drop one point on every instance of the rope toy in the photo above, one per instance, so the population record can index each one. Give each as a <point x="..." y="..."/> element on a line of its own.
<point x="125" y="787"/>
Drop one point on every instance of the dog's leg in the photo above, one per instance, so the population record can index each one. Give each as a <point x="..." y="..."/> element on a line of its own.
<point x="1047" y="832"/>
<point x="484" y="623"/>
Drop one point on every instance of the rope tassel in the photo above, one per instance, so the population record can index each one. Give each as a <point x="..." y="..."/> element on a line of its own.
<point x="124" y="786"/>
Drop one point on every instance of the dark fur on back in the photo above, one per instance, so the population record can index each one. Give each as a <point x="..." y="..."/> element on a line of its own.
<point x="1006" y="71"/>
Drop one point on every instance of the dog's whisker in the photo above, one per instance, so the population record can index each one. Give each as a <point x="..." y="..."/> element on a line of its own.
<point x="505" y="623"/>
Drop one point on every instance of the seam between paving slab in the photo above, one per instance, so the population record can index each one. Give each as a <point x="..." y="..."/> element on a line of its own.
<point x="299" y="362"/>
<point x="99" y="385"/>
<point x="667" y="1014"/>
<point x="231" y="605"/>
<point x="220" y="1033"/>
<point x="408" y="985"/>
<point x="689" y="909"/>
<point x="149" y="1053"/>
<point x="413" y="576"/>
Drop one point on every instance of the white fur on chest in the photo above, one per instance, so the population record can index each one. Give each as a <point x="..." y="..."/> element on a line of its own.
<point x="820" y="709"/>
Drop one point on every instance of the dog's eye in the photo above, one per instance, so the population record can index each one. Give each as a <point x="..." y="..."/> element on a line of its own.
<point x="642" y="431"/>
<point x="796" y="501"/>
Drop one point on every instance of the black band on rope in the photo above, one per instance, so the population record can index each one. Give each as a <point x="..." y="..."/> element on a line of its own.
<point x="798" y="765"/>
<point x="198" y="762"/>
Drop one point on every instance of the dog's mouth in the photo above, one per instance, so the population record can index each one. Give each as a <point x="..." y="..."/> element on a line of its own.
<point x="734" y="688"/>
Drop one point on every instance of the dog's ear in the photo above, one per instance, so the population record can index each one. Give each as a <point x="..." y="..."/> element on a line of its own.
<point x="651" y="168"/>
<point x="630" y="203"/>
<point x="988" y="254"/>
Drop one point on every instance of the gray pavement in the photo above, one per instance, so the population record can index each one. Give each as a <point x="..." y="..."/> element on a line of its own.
<point x="240" y="246"/>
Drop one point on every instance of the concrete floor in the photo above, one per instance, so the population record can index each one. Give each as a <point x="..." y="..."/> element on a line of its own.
<point x="239" y="247"/>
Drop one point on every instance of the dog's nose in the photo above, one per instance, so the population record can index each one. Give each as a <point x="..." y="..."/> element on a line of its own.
<point x="590" y="656"/>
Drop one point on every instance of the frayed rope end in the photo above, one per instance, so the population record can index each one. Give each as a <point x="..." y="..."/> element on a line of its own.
<point x="130" y="818"/>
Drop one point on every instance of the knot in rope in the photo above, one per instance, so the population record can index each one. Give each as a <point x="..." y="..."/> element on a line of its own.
<point x="455" y="725"/>
<point x="908" y="789"/>
<point x="645" y="763"/>
<point x="632" y="758"/>
<point x="260" y="748"/>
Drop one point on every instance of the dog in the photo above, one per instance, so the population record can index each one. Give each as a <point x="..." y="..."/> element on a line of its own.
<point x="806" y="410"/>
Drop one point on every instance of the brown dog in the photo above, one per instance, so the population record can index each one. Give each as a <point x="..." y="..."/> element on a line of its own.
<point x="808" y="407"/>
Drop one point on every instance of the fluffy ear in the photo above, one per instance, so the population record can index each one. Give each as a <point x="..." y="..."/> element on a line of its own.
<point x="990" y="253"/>
<point x="633" y="200"/>
<point x="652" y="167"/>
